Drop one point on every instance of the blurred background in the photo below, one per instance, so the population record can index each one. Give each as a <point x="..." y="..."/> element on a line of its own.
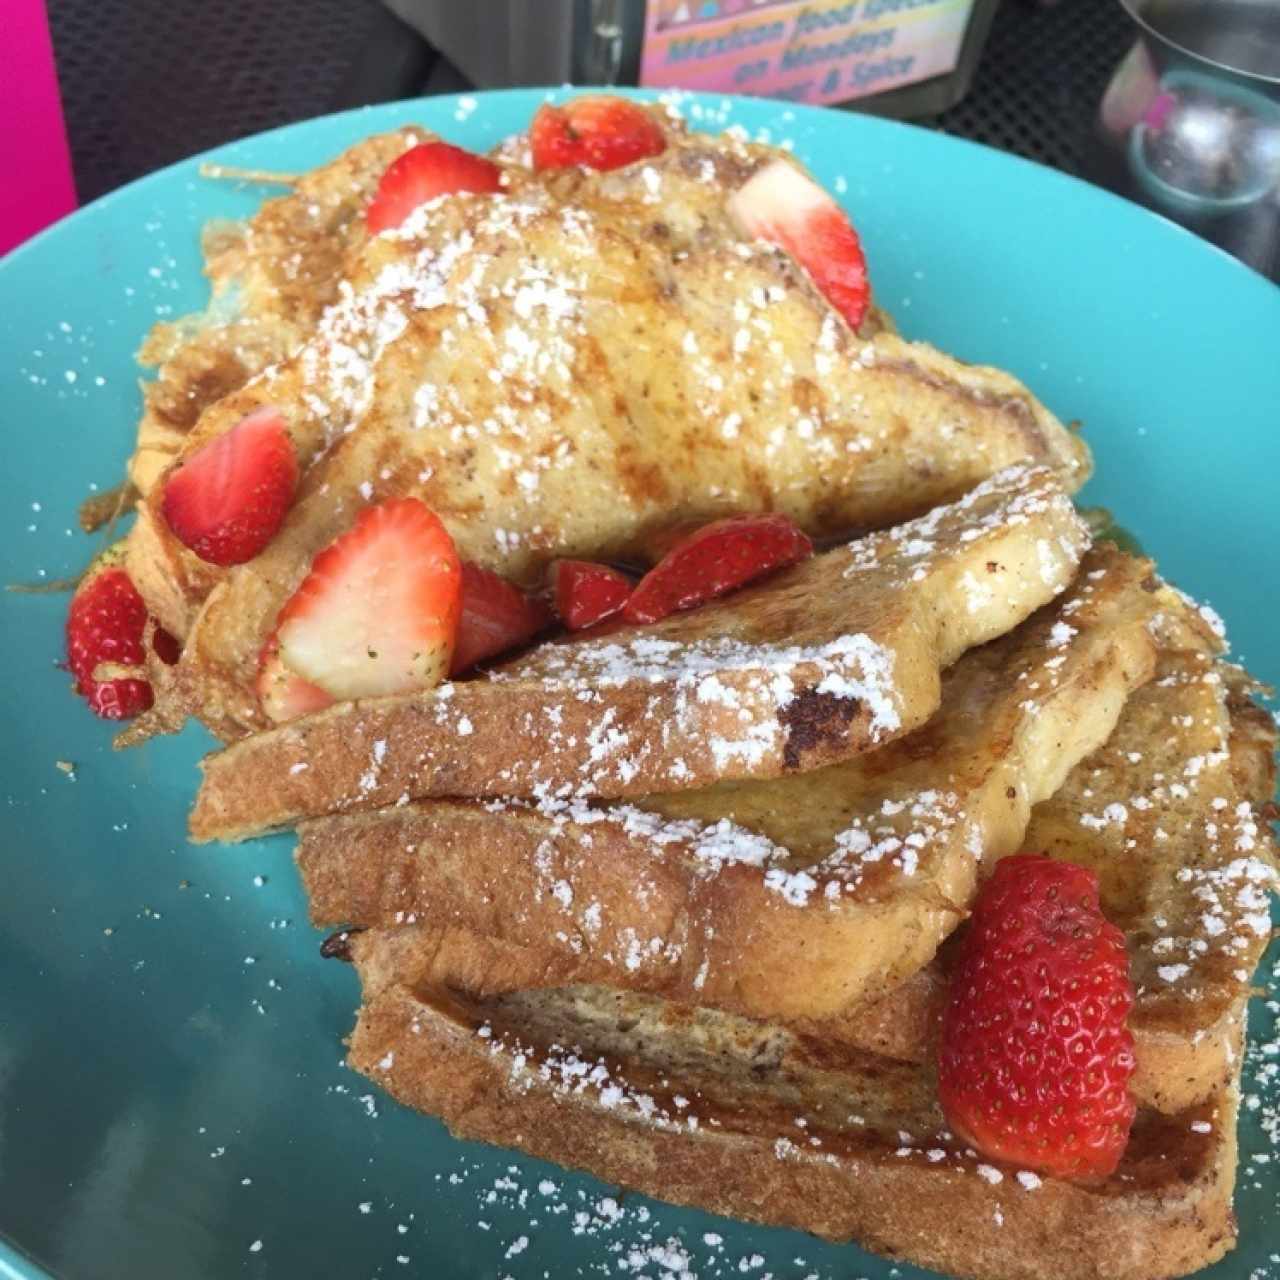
<point x="1091" y="87"/>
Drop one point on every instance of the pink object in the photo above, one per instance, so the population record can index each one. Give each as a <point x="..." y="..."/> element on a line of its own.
<point x="38" y="187"/>
<point x="784" y="48"/>
<point x="1133" y="91"/>
<point x="1158" y="111"/>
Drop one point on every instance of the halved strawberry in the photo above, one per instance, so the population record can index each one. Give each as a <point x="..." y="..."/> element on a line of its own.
<point x="717" y="558"/>
<point x="587" y="593"/>
<point x="106" y="624"/>
<point x="424" y="172"/>
<point x="496" y="616"/>
<point x="378" y="612"/>
<point x="228" y="499"/>
<point x="780" y="205"/>
<point x="596" y="132"/>
<point x="283" y="694"/>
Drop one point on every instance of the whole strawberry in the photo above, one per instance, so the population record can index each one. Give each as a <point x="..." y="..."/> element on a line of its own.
<point x="1036" y="1056"/>
<point x="105" y="624"/>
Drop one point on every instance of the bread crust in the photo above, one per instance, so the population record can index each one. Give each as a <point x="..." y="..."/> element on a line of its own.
<point x="566" y="368"/>
<point x="866" y="865"/>
<point x="1165" y="1213"/>
<point x="821" y="662"/>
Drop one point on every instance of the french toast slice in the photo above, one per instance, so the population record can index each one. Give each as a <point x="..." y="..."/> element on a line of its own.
<point x="270" y="279"/>
<point x="742" y="1118"/>
<point x="273" y="278"/>
<point x="824" y="660"/>
<point x="1170" y="813"/>
<point x="854" y="873"/>
<point x="565" y="367"/>
<point x="360" y="299"/>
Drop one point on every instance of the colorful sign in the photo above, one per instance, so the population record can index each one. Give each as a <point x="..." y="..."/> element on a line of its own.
<point x="802" y="50"/>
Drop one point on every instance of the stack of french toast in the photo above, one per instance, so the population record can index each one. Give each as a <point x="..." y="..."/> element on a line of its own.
<point x="712" y="731"/>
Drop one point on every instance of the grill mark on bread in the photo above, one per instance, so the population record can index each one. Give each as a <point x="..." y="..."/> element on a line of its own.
<point x="337" y="946"/>
<point x="1015" y="406"/>
<point x="814" y="721"/>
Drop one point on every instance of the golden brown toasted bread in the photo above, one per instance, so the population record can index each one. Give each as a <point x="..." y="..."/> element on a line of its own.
<point x="370" y="273"/>
<point x="854" y="873"/>
<point x="269" y="281"/>
<point x="272" y="280"/>
<point x="1168" y="813"/>
<point x="744" y="1118"/>
<point x="827" y="659"/>
<point x="564" y="367"/>
<point x="1186" y="864"/>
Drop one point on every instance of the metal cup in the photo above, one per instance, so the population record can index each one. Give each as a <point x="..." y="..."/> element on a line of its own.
<point x="1189" y="124"/>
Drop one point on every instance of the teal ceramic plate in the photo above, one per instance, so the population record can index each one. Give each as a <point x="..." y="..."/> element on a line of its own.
<point x="172" y="1097"/>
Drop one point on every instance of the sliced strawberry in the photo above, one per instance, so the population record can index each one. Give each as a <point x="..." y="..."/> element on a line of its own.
<point x="105" y="623"/>
<point x="595" y="132"/>
<point x="780" y="205"/>
<point x="227" y="500"/>
<point x="1036" y="1055"/>
<point x="587" y="593"/>
<point x="496" y="616"/>
<point x="284" y="695"/>
<point x="378" y="612"/>
<point x="167" y="648"/>
<point x="717" y="558"/>
<point x="424" y="172"/>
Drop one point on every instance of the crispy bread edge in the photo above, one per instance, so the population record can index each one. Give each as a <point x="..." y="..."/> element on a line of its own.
<point x="936" y="1216"/>
<point x="493" y="737"/>
<point x="662" y="923"/>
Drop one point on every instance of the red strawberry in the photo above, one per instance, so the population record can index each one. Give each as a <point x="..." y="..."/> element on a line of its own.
<point x="595" y="132"/>
<point x="780" y="205"/>
<point x="424" y="172"/>
<point x="1036" y="1057"/>
<point x="228" y="499"/>
<point x="587" y="593"/>
<point x="105" y="624"/>
<point x="378" y="612"/>
<point x="168" y="650"/>
<point x="715" y="559"/>
<point x="283" y="695"/>
<point x="495" y="617"/>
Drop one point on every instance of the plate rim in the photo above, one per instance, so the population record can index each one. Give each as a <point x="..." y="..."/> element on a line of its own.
<point x="799" y="111"/>
<point x="14" y="1261"/>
